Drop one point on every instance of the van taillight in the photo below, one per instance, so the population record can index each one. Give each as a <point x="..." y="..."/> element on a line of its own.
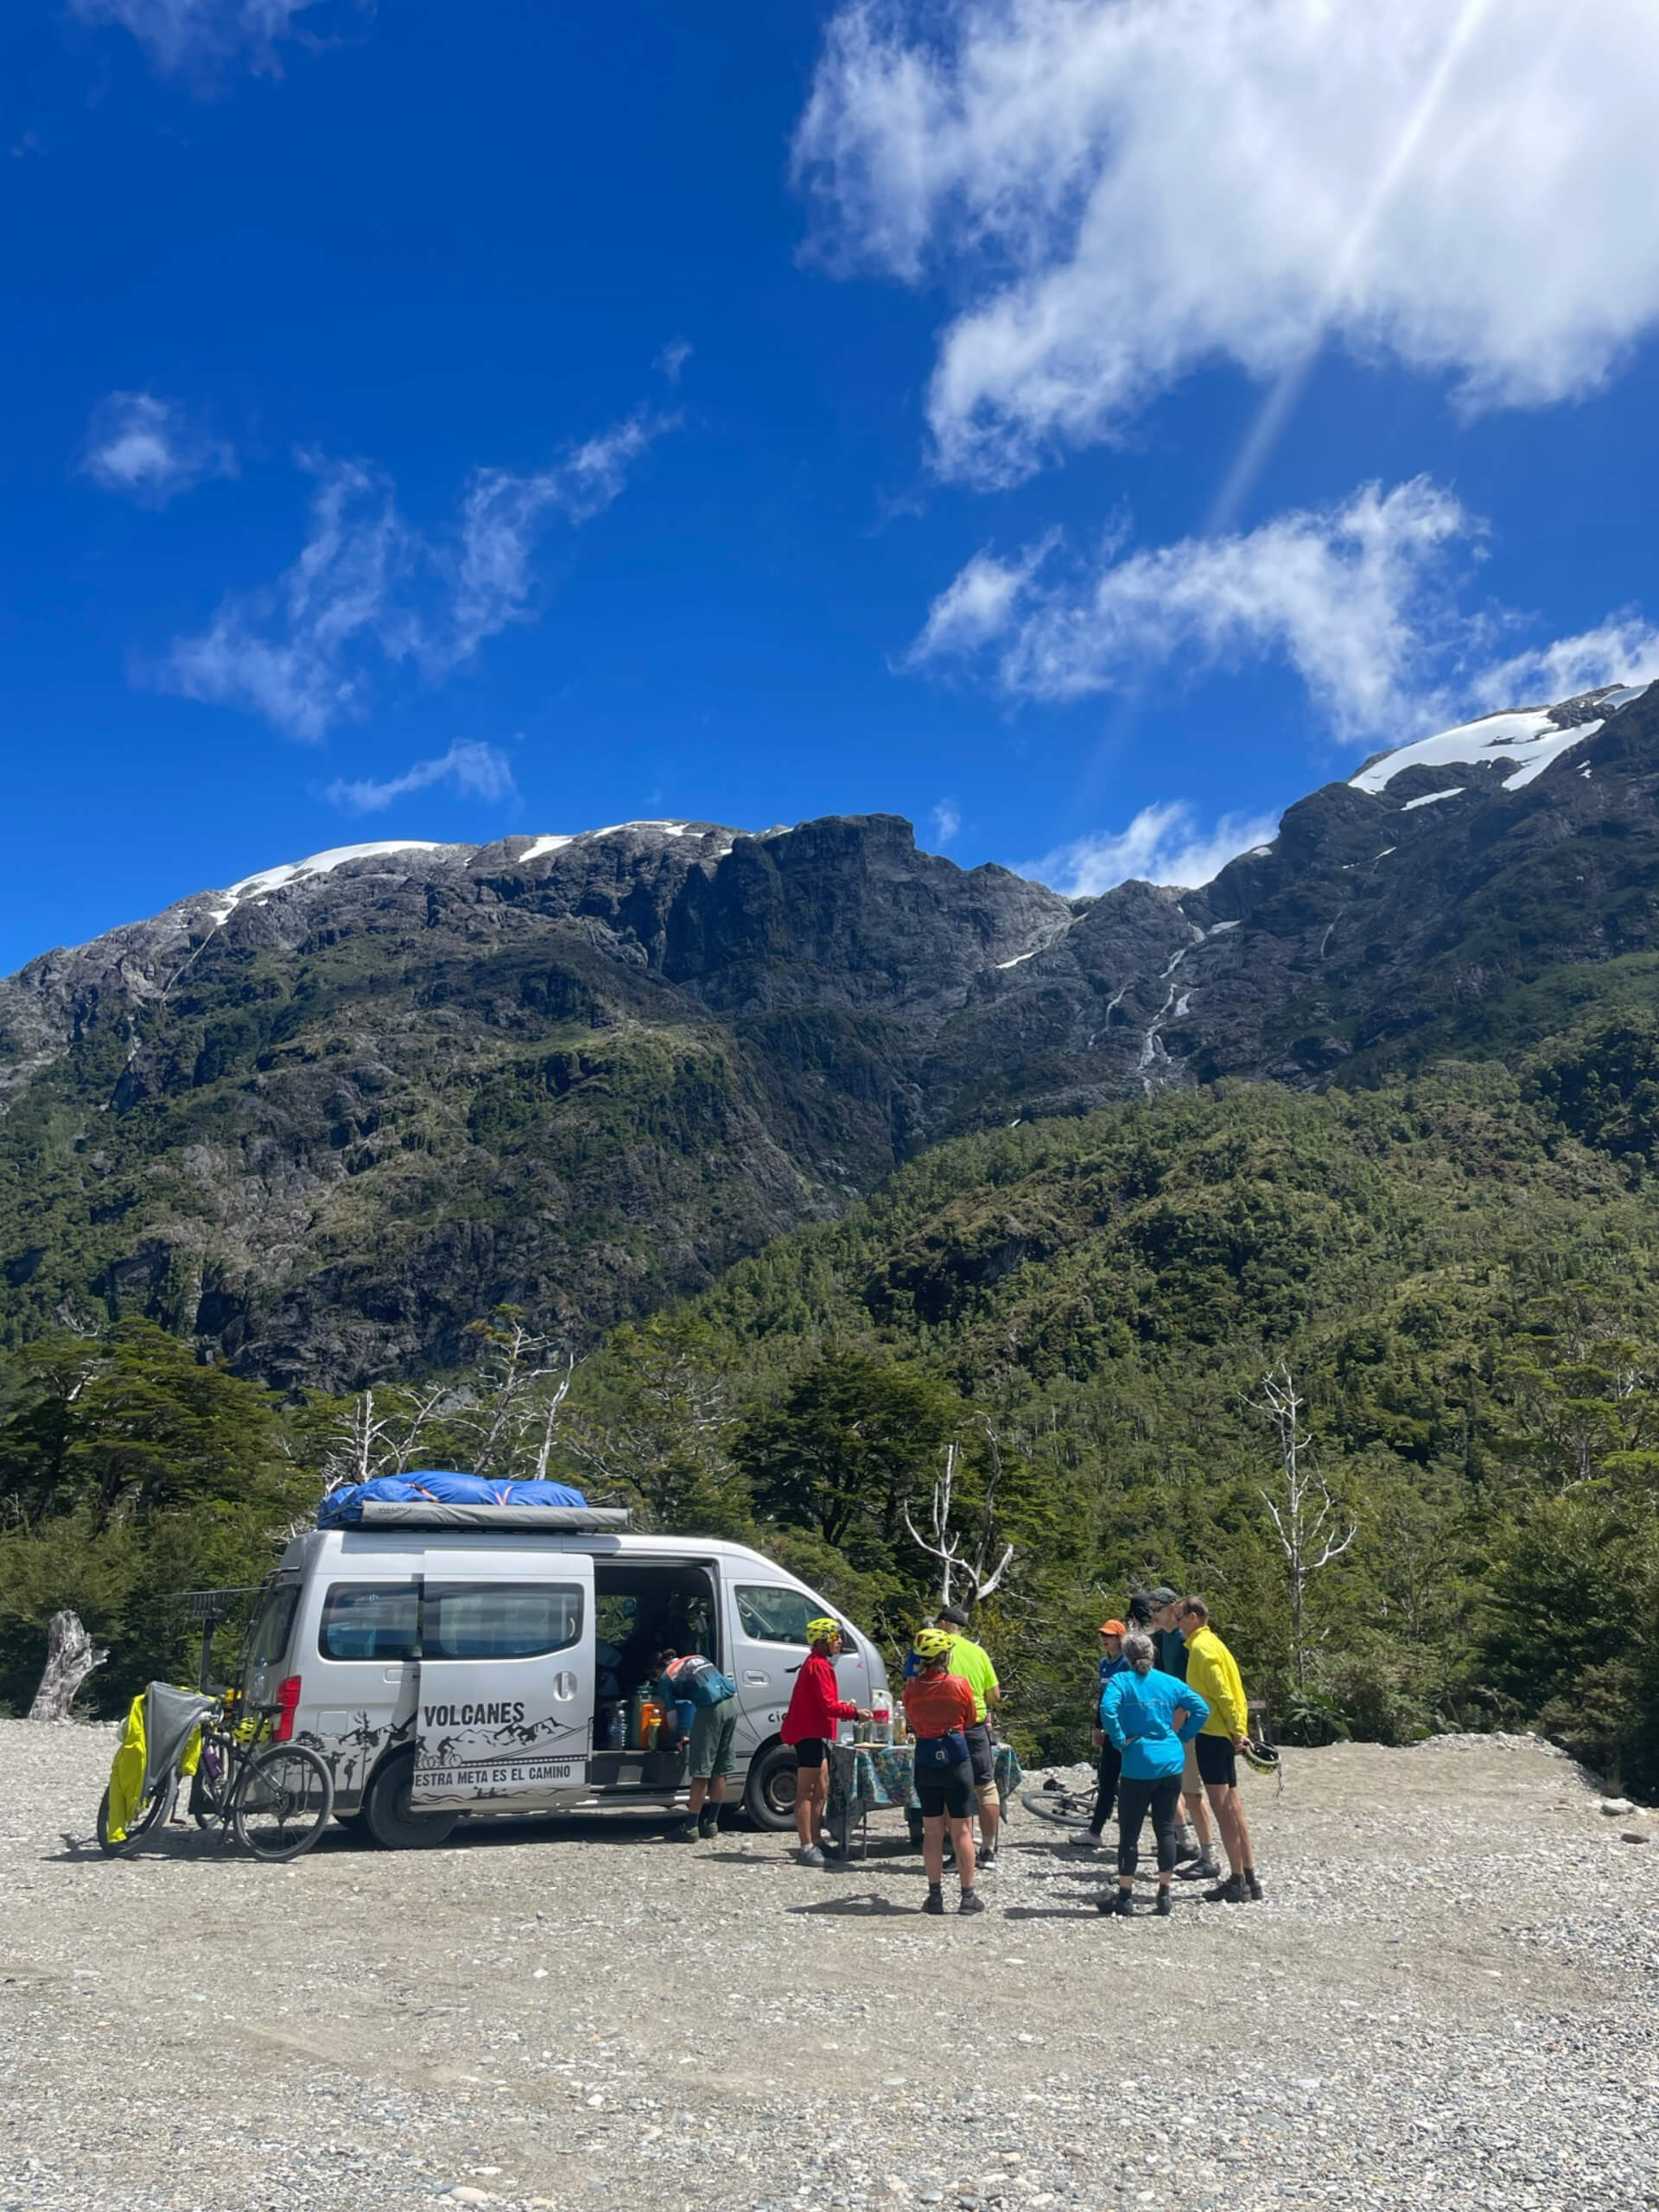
<point x="288" y="1698"/>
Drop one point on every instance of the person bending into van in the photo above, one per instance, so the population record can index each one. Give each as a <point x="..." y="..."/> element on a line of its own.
<point x="1151" y="1717"/>
<point x="809" y="1725"/>
<point x="939" y="1708"/>
<point x="972" y="1663"/>
<point x="711" y="1761"/>
<point x="1110" y="1762"/>
<point x="1211" y="1668"/>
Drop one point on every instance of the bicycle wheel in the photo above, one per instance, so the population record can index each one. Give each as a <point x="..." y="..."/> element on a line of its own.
<point x="152" y="1812"/>
<point x="283" y="1802"/>
<point x="1065" y="1808"/>
<point x="212" y="1787"/>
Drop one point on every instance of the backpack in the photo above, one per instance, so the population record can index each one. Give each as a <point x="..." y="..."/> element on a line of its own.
<point x="700" y="1680"/>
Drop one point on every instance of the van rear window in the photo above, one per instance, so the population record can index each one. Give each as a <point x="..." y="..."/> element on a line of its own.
<point x="369" y="1620"/>
<point x="268" y="1642"/>
<point x="500" y="1620"/>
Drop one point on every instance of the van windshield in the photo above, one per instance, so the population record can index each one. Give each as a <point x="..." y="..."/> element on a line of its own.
<point x="271" y="1630"/>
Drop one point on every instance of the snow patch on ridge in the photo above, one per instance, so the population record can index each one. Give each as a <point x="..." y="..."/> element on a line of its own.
<point x="273" y="879"/>
<point x="1432" y="798"/>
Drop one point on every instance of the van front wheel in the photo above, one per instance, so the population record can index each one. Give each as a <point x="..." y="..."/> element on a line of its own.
<point x="386" y="1813"/>
<point x="769" y="1794"/>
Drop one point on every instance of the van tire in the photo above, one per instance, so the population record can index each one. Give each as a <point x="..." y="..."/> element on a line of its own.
<point x="769" y="1793"/>
<point x="385" y="1809"/>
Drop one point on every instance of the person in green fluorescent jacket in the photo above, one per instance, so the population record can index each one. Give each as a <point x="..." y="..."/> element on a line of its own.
<point x="1213" y="1672"/>
<point x="972" y="1664"/>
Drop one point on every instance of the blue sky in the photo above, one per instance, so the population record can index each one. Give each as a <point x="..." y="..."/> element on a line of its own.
<point x="441" y="422"/>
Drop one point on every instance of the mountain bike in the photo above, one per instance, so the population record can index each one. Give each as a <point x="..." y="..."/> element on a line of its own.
<point x="1064" y="1808"/>
<point x="275" y="1798"/>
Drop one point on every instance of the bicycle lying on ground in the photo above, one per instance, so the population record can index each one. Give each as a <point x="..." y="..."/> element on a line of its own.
<point x="275" y="1797"/>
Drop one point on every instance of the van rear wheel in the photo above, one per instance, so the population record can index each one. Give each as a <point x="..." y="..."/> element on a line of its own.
<point x="386" y="1812"/>
<point x="769" y="1794"/>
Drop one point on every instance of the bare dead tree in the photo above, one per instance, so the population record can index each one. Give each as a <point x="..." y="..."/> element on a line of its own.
<point x="377" y="1434"/>
<point x="70" y="1655"/>
<point x="950" y="1546"/>
<point x="1302" y="1511"/>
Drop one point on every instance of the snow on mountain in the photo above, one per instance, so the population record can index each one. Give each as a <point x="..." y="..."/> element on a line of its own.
<point x="1524" y="740"/>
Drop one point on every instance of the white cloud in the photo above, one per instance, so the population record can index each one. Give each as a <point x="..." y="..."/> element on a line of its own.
<point x="1163" y="845"/>
<point x="149" y="449"/>
<point x="1351" y="596"/>
<point x="1624" y="649"/>
<point x="193" y="34"/>
<point x="367" y="586"/>
<point x="1117" y="191"/>
<point x="476" y="771"/>
<point x="946" y="819"/>
<point x="673" y="358"/>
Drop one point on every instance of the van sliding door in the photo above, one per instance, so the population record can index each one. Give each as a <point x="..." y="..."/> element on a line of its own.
<point x="506" y="1705"/>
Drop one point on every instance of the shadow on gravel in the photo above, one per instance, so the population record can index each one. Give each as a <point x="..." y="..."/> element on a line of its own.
<point x="1053" y="1912"/>
<point x="868" y="1907"/>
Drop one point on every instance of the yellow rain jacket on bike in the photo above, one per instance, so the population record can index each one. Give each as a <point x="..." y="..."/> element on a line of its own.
<point x="130" y="1763"/>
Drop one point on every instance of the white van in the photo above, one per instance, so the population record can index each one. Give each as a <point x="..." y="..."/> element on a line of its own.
<point x="449" y="1659"/>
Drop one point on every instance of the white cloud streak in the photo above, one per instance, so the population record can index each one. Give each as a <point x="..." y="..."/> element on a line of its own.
<point x="367" y="587"/>
<point x="476" y="771"/>
<point x="1624" y="649"/>
<point x="149" y="450"/>
<point x="192" y="34"/>
<point x="946" y="819"/>
<point x="1353" y="597"/>
<point x="1120" y="190"/>
<point x="1163" y="845"/>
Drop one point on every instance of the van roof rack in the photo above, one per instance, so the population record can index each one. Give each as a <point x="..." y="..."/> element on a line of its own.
<point x="428" y="1513"/>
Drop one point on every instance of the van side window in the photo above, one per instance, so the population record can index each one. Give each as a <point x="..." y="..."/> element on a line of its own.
<point x="268" y="1642"/>
<point x="369" y="1620"/>
<point x="767" y="1614"/>
<point x="501" y="1620"/>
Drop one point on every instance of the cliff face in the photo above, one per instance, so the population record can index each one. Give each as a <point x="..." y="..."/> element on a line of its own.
<point x="323" y="1119"/>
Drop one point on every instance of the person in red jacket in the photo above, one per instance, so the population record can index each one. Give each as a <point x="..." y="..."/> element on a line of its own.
<point x="809" y="1726"/>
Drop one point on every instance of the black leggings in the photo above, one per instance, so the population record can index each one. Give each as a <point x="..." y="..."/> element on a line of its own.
<point x="1111" y="1765"/>
<point x="1160" y="1796"/>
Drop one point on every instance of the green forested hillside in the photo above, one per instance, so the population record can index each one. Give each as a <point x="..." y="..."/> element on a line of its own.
<point x="1461" y="1272"/>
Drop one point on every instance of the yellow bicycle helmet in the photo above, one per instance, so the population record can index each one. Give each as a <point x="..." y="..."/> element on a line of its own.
<point x="819" y="1631"/>
<point x="932" y="1643"/>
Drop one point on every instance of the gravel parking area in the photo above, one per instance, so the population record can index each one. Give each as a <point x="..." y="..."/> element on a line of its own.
<point x="1448" y="1997"/>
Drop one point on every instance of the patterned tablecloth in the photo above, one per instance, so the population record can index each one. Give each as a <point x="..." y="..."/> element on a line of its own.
<point x="865" y="1776"/>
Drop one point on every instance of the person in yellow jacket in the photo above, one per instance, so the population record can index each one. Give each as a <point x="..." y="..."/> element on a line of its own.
<point x="1213" y="1672"/>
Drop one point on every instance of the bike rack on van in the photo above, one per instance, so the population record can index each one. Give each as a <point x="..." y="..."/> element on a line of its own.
<point x="208" y="1610"/>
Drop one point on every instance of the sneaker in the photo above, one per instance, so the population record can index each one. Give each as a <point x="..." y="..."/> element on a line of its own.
<point x="686" y="1833"/>
<point x="707" y="1825"/>
<point x="1086" y="1840"/>
<point x="1163" y="1901"/>
<point x="1231" y="1891"/>
<point x="1201" y="1870"/>
<point x="986" y="1862"/>
<point x="935" y="1904"/>
<point x="1186" y="1847"/>
<point x="811" y="1857"/>
<point x="1253" y="1886"/>
<point x="971" y="1901"/>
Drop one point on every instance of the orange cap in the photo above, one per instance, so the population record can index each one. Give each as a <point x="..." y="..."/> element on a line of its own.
<point x="1113" y="1628"/>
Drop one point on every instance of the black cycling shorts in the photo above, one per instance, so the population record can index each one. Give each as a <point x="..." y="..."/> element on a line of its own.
<point x="979" y="1752"/>
<point x="1218" y="1761"/>
<point x="811" y="1750"/>
<point x="949" y="1790"/>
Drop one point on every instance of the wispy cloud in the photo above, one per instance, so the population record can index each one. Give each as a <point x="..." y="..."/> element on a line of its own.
<point x="1353" y="596"/>
<point x="1625" y="648"/>
<point x="946" y="819"/>
<point x="150" y="449"/>
<point x="476" y="771"/>
<point x="673" y="358"/>
<point x="1163" y="845"/>
<point x="194" y="35"/>
<point x="1121" y="190"/>
<point x="366" y="586"/>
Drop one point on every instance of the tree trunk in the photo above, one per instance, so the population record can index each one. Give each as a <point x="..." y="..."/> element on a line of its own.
<point x="70" y="1657"/>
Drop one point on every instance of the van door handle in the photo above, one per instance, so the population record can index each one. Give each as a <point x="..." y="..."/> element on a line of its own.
<point x="754" y="1681"/>
<point x="564" y="1686"/>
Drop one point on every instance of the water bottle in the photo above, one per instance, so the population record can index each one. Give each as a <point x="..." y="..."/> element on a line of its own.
<point x="881" y="1722"/>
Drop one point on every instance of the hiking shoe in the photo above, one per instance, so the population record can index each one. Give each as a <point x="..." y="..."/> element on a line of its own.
<point x="935" y="1904"/>
<point x="686" y="1833"/>
<point x="1253" y="1886"/>
<point x="1163" y="1901"/>
<point x="811" y="1857"/>
<point x="986" y="1862"/>
<point x="1186" y="1847"/>
<point x="1231" y="1891"/>
<point x="971" y="1901"/>
<point x="1121" y="1901"/>
<point x="1201" y="1870"/>
<point x="1086" y="1840"/>
<point x="708" y="1826"/>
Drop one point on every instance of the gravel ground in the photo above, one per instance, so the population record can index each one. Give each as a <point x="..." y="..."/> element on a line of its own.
<point x="1448" y="1997"/>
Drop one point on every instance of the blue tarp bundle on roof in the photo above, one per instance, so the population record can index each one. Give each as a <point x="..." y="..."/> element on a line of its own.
<point x="341" y="1508"/>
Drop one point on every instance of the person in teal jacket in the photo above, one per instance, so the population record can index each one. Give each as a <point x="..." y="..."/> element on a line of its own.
<point x="1151" y="1717"/>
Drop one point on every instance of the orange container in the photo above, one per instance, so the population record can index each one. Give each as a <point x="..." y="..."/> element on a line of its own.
<point x="651" y="1725"/>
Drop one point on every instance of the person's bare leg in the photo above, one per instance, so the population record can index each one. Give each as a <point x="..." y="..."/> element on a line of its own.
<point x="699" y="1791"/>
<point x="820" y="1801"/>
<point x="1242" y="1827"/>
<point x="717" y="1789"/>
<point x="990" y="1818"/>
<point x="1219" y="1794"/>
<point x="1197" y="1818"/>
<point x="803" y="1836"/>
<point x="962" y="1838"/>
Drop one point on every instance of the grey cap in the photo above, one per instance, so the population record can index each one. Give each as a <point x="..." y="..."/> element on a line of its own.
<point x="957" y="1618"/>
<point x="1163" y="1595"/>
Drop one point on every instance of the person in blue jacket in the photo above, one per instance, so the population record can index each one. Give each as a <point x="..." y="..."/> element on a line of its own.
<point x="1151" y="1717"/>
